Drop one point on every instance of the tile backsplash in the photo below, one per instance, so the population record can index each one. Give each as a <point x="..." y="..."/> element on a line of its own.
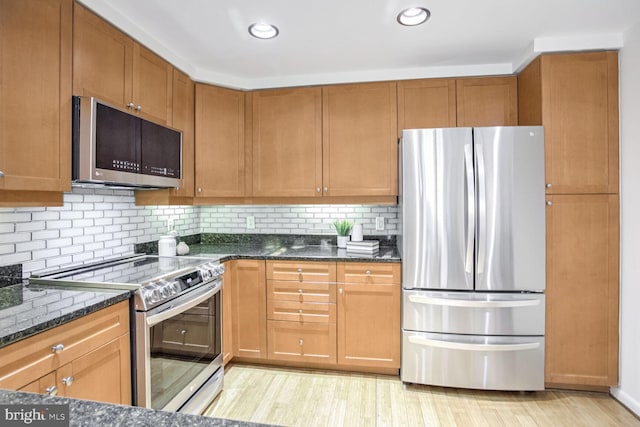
<point x="95" y="224"/>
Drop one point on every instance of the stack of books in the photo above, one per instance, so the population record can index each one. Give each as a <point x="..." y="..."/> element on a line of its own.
<point x="363" y="247"/>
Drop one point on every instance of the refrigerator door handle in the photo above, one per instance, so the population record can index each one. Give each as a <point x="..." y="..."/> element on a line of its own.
<point x="418" y="299"/>
<point x="471" y="215"/>
<point x="482" y="209"/>
<point x="426" y="342"/>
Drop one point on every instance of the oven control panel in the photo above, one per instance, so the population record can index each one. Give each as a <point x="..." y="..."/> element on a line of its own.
<point x="165" y="289"/>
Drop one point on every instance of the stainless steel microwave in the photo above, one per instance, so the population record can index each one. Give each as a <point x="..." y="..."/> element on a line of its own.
<point x="113" y="147"/>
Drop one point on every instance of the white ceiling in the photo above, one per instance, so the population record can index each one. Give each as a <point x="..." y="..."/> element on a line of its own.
<point x="334" y="41"/>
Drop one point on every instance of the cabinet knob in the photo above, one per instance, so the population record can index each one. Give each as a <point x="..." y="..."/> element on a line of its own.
<point x="318" y="189"/>
<point x="2" y="174"/>
<point x="199" y="189"/>
<point x="130" y="105"/>
<point x="51" y="391"/>
<point x="300" y="311"/>
<point x="183" y="332"/>
<point x="549" y="185"/>
<point x="68" y="380"/>
<point x="340" y="290"/>
<point x="299" y="270"/>
<point x="300" y="341"/>
<point x="57" y="348"/>
<point x="139" y="107"/>
<point x="326" y="189"/>
<point x="368" y="272"/>
<point x="299" y="291"/>
<point x="549" y="203"/>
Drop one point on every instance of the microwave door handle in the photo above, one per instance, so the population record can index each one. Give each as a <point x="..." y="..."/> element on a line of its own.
<point x="166" y="314"/>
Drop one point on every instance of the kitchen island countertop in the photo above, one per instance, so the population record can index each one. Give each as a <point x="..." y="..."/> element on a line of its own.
<point x="97" y="414"/>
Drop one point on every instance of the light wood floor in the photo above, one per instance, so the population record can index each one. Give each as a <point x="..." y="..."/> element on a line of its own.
<point x="291" y="397"/>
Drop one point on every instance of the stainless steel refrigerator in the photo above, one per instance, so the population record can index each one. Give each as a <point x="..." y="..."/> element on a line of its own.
<point x="472" y="242"/>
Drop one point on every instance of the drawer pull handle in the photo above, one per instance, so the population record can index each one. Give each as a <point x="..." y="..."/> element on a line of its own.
<point x="57" y="348"/>
<point x="68" y="380"/>
<point x="449" y="345"/>
<point x="300" y="341"/>
<point x="51" y="391"/>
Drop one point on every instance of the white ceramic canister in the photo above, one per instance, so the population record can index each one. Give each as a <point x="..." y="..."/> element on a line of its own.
<point x="356" y="233"/>
<point x="167" y="246"/>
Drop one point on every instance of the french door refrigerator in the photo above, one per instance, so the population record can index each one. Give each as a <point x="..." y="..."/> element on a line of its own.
<point x="472" y="242"/>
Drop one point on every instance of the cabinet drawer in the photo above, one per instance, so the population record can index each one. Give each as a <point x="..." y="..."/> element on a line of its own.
<point x="301" y="291"/>
<point x="310" y="342"/>
<point x="33" y="357"/>
<point x="301" y="271"/>
<point x="356" y="272"/>
<point x="305" y="312"/>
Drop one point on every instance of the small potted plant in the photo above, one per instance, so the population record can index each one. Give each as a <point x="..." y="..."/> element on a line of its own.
<point x="343" y="228"/>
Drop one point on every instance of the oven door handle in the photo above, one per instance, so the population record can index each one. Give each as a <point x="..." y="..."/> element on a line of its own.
<point x="190" y="303"/>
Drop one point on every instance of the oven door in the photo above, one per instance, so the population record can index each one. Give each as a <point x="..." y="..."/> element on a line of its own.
<point x="179" y="349"/>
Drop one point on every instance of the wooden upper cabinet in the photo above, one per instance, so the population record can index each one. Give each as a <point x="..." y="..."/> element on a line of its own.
<point x="287" y="142"/>
<point x="582" y="290"/>
<point x="428" y="103"/>
<point x="183" y="119"/>
<point x="35" y="96"/>
<point x="487" y="101"/>
<point x="360" y="140"/>
<point x="220" y="143"/>
<point x="152" y="85"/>
<point x="575" y="97"/>
<point x="111" y="66"/>
<point x="102" y="58"/>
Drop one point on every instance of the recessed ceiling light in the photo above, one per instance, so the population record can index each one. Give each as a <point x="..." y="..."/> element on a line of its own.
<point x="413" y="16"/>
<point x="263" y="31"/>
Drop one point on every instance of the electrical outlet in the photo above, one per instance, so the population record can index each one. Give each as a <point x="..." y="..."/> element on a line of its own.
<point x="379" y="223"/>
<point x="251" y="222"/>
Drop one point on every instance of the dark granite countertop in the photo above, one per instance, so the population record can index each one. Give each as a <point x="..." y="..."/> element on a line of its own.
<point x="96" y="414"/>
<point x="279" y="246"/>
<point x="27" y="309"/>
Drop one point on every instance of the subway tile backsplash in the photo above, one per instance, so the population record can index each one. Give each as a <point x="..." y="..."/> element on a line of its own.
<point x="95" y="224"/>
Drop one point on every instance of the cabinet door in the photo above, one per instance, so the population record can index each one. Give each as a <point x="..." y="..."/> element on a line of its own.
<point x="220" y="144"/>
<point x="487" y="101"/>
<point x="369" y="320"/>
<point x="580" y="117"/>
<point x="227" y="313"/>
<point x="360" y="140"/>
<point x="152" y="85"/>
<point x="287" y="142"/>
<point x="45" y="385"/>
<point x="582" y="290"/>
<point x="103" y="375"/>
<point x="249" y="307"/>
<point x="183" y="119"/>
<point x="102" y="59"/>
<point x="428" y="103"/>
<point x="35" y="95"/>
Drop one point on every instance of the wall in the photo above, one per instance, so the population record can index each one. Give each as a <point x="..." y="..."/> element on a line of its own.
<point x="91" y="225"/>
<point x="296" y="219"/>
<point x="99" y="224"/>
<point x="629" y="390"/>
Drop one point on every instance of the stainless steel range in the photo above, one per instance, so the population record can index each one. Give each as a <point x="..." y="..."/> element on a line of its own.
<point x="177" y="317"/>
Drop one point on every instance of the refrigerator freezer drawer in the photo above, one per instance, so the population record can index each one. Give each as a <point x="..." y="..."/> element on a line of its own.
<point x="468" y="361"/>
<point x="473" y="313"/>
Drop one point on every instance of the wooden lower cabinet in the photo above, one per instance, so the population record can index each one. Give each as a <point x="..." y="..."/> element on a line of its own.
<point x="94" y="362"/>
<point x="300" y="341"/>
<point x="582" y="291"/>
<point x="249" y="308"/>
<point x="369" y="314"/>
<point x="227" y="313"/>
